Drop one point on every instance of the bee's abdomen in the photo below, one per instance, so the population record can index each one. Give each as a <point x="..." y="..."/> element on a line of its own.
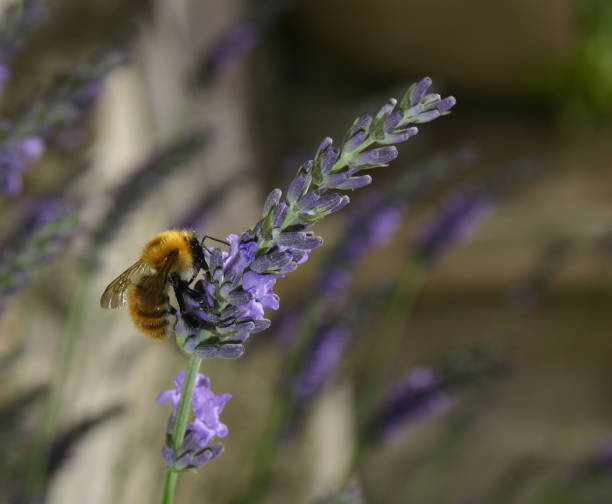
<point x="149" y="313"/>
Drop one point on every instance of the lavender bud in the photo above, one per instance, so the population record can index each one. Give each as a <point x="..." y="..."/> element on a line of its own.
<point x="386" y="109"/>
<point x="353" y="143"/>
<point x="271" y="201"/>
<point x="216" y="262"/>
<point x="336" y="179"/>
<point x="430" y="99"/>
<point x="415" y="93"/>
<point x="260" y="325"/>
<point x="168" y="455"/>
<point x="209" y="453"/>
<point x="393" y="120"/>
<point x="278" y="214"/>
<point x="377" y="129"/>
<point x="427" y="116"/>
<point x="240" y="334"/>
<point x="300" y="240"/>
<point x="355" y="183"/>
<point x="362" y="123"/>
<point x="299" y="256"/>
<point x="239" y="298"/>
<point x="325" y="158"/>
<point x="399" y="136"/>
<point x="331" y="203"/>
<point x="446" y="104"/>
<point x="296" y="188"/>
<point x="308" y="201"/>
<point x="225" y="351"/>
<point x="375" y="157"/>
<point x="271" y="262"/>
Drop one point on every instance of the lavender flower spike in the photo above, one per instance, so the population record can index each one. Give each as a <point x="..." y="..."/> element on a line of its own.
<point x="220" y="313"/>
<point x="46" y="229"/>
<point x="456" y="221"/>
<point x="195" y="450"/>
<point x="419" y="395"/>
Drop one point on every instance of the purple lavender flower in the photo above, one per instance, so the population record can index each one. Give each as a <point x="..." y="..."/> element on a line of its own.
<point x="15" y="160"/>
<point x="237" y="41"/>
<point x="221" y="312"/>
<point x="323" y="358"/>
<point x="39" y="237"/>
<point x="455" y="221"/>
<point x="207" y="407"/>
<point x="241" y="38"/>
<point x="65" y="103"/>
<point x="376" y="218"/>
<point x="18" y="21"/>
<point x="420" y="394"/>
<point x="373" y="225"/>
<point x="425" y="392"/>
<point x="5" y="73"/>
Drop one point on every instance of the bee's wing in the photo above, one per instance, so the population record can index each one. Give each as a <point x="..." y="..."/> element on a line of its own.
<point x="115" y="295"/>
<point x="152" y="287"/>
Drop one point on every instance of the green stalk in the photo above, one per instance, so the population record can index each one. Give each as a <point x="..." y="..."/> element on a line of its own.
<point x="380" y="355"/>
<point x="180" y="424"/>
<point x="37" y="466"/>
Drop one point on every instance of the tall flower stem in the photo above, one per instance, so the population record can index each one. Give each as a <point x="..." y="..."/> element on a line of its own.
<point x="62" y="362"/>
<point x="180" y="424"/>
<point x="400" y="304"/>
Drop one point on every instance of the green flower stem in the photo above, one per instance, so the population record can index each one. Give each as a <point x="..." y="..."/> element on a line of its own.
<point x="37" y="467"/>
<point x="180" y="424"/>
<point x="169" y="486"/>
<point x="346" y="157"/>
<point x="381" y="356"/>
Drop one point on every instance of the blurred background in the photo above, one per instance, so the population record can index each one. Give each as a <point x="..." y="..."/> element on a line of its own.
<point x="450" y="342"/>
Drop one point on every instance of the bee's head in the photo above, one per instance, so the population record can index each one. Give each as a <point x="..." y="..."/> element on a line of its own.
<point x="199" y="261"/>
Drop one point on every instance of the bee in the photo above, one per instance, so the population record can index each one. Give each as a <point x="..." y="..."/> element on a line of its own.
<point x="172" y="258"/>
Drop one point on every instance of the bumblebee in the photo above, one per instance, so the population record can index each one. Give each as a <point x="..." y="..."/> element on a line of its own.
<point x="174" y="258"/>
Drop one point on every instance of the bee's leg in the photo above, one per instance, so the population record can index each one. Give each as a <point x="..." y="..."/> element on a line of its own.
<point x="178" y="286"/>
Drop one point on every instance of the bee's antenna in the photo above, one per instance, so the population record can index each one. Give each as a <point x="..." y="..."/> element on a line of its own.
<point x="212" y="238"/>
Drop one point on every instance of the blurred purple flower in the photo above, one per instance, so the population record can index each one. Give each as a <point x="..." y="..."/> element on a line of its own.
<point x="421" y="394"/>
<point x="323" y="358"/>
<point x="65" y="103"/>
<point x="240" y="38"/>
<point x="16" y="159"/>
<point x="18" y="21"/>
<point x="206" y="407"/>
<point x="455" y="221"/>
<point x="237" y="41"/>
<point x="42" y="233"/>
<point x="373" y="225"/>
<point x="5" y="73"/>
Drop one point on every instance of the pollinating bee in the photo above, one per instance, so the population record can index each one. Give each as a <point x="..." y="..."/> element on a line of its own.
<point x="172" y="258"/>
